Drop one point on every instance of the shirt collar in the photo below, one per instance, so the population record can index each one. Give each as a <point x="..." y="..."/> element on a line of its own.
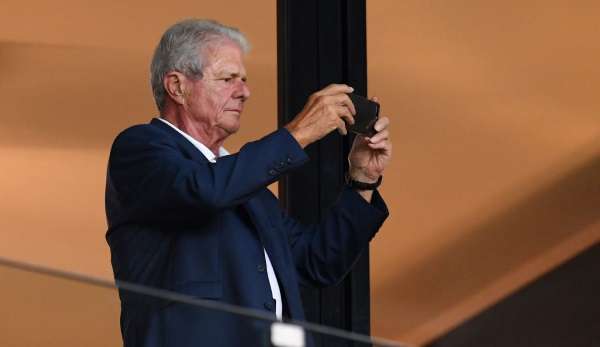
<point x="210" y="156"/>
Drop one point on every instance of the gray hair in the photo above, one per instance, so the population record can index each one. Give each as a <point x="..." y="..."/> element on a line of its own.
<point x="181" y="48"/>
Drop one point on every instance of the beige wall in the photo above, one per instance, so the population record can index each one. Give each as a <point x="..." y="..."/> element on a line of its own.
<point x="497" y="152"/>
<point x="495" y="127"/>
<point x="75" y="73"/>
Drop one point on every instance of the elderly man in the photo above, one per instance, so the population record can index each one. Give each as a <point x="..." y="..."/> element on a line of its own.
<point x="187" y="216"/>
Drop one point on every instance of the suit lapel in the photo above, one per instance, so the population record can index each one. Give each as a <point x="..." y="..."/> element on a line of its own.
<point x="268" y="237"/>
<point x="264" y="228"/>
<point x="187" y="148"/>
<point x="261" y="223"/>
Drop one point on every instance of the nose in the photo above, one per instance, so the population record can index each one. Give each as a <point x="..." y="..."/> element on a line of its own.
<point x="242" y="91"/>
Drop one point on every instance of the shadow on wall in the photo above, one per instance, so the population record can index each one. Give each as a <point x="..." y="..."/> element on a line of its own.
<point x="70" y="96"/>
<point x="498" y="246"/>
<point x="559" y="309"/>
<point x="82" y="97"/>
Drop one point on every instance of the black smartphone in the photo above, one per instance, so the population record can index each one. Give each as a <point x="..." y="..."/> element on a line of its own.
<point x="367" y="113"/>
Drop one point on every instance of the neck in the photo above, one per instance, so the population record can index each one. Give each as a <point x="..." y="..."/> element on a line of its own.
<point x="200" y="131"/>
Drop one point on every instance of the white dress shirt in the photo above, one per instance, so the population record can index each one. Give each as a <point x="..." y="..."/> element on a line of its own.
<point x="275" y="292"/>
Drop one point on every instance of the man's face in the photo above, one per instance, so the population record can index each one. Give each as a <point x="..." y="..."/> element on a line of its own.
<point x="217" y="100"/>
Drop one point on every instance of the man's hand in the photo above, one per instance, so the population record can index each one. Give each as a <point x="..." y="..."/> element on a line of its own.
<point x="324" y="112"/>
<point x="369" y="156"/>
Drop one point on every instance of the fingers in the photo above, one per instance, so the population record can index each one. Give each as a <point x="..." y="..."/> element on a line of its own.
<point x="380" y="136"/>
<point x="382" y="124"/>
<point x="335" y="99"/>
<point x="334" y="89"/>
<point x="334" y="94"/>
<point x="341" y="128"/>
<point x="382" y="131"/>
<point x="379" y="140"/>
<point x="344" y="99"/>
<point x="385" y="145"/>
<point x="327" y="109"/>
<point x="343" y="113"/>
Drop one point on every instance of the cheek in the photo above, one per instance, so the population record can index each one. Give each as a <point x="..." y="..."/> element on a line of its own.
<point x="212" y="101"/>
<point x="208" y="103"/>
<point x="222" y="97"/>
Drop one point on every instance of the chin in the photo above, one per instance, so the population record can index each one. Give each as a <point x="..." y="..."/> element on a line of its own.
<point x="229" y="123"/>
<point x="231" y="129"/>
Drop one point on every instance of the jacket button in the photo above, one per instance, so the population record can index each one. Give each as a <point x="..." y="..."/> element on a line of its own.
<point x="289" y="160"/>
<point x="281" y="164"/>
<point x="272" y="172"/>
<point x="269" y="305"/>
<point x="260" y="268"/>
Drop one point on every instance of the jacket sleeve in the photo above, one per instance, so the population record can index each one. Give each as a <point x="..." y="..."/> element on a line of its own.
<point x="150" y="178"/>
<point x="325" y="252"/>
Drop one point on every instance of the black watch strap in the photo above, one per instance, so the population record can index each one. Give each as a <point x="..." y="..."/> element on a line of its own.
<point x="362" y="185"/>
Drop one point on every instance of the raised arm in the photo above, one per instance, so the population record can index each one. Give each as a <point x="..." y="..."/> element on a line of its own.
<point x="323" y="253"/>
<point x="150" y="178"/>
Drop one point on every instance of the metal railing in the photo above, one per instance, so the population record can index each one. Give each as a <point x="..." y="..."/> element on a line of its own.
<point x="22" y="278"/>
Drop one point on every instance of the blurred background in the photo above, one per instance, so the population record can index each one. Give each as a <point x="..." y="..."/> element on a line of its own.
<point x="495" y="123"/>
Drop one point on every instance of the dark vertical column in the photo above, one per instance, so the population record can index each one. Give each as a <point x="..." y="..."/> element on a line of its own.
<point x="319" y="43"/>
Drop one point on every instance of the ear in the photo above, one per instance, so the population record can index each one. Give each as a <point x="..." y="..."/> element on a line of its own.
<point x="175" y="84"/>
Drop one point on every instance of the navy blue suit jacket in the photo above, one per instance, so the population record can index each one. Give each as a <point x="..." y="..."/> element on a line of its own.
<point x="179" y="222"/>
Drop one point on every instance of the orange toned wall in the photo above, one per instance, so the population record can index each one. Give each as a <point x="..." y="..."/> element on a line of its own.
<point x="495" y="127"/>
<point x="496" y="130"/>
<point x="74" y="74"/>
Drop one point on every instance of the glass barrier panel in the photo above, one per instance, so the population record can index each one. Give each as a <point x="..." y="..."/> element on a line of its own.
<point x="42" y="310"/>
<point x="47" y="307"/>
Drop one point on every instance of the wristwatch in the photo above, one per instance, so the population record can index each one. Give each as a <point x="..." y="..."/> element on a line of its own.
<point x="362" y="185"/>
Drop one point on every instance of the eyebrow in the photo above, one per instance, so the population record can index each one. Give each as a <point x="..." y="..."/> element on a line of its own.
<point x="243" y="77"/>
<point x="235" y="75"/>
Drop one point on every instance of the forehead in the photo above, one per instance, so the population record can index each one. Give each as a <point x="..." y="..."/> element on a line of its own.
<point x="224" y="57"/>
